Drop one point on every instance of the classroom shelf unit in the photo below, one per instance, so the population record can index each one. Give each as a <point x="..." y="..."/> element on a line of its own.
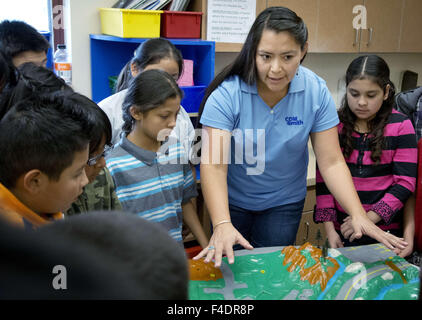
<point x="109" y="54"/>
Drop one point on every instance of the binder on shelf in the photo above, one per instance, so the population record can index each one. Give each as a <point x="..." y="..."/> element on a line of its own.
<point x="141" y="4"/>
<point x="158" y="5"/>
<point x="121" y="4"/>
<point x="179" y="5"/>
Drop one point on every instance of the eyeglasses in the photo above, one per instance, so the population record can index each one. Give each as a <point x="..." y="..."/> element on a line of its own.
<point x="93" y="161"/>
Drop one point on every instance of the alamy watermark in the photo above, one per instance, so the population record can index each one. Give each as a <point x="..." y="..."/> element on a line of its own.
<point x="249" y="148"/>
<point x="360" y="20"/>
<point x="58" y="17"/>
<point x="60" y="280"/>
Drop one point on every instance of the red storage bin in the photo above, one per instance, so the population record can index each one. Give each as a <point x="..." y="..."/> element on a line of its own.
<point x="181" y="24"/>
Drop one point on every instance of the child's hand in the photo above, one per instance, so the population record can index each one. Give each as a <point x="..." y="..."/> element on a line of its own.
<point x="406" y="251"/>
<point x="334" y="239"/>
<point x="347" y="228"/>
<point x="366" y="227"/>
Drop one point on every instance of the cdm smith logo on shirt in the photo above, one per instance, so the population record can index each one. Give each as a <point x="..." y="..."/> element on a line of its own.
<point x="293" y="121"/>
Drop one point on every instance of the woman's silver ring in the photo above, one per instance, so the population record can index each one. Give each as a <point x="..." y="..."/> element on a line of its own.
<point x="211" y="248"/>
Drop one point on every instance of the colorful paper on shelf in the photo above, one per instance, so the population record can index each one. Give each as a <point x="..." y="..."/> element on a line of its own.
<point x="186" y="79"/>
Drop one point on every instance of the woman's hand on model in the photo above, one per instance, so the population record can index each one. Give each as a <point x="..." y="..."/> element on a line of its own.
<point x="225" y="236"/>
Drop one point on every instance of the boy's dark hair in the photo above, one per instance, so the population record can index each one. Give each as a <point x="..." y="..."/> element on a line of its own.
<point x="277" y="19"/>
<point x="4" y="71"/>
<point x="39" y="80"/>
<point x="155" y="264"/>
<point x="7" y="81"/>
<point x="42" y="133"/>
<point x="17" y="37"/>
<point x="36" y="81"/>
<point x="100" y="124"/>
<point x="7" y="73"/>
<point x="27" y="268"/>
<point x="149" y="52"/>
<point x="147" y="91"/>
<point x="32" y="81"/>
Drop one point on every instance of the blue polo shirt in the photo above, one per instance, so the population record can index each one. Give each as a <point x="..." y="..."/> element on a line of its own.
<point x="269" y="146"/>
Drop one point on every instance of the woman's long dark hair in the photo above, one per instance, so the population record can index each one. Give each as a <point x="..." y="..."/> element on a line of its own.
<point x="374" y="68"/>
<point x="277" y="19"/>
<point x="149" y="90"/>
<point x="149" y="52"/>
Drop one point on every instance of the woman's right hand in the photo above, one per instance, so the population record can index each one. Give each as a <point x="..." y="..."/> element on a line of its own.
<point x="223" y="239"/>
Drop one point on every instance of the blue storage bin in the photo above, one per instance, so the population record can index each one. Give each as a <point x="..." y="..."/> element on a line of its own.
<point x="192" y="98"/>
<point x="47" y="35"/>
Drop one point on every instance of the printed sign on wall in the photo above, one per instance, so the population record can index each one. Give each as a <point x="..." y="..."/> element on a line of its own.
<point x="230" y="20"/>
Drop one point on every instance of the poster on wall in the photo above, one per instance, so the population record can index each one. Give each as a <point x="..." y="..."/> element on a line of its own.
<point x="230" y="20"/>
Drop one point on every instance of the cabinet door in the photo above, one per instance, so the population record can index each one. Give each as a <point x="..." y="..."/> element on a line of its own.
<point x="307" y="10"/>
<point x="335" y="31"/>
<point x="383" y="26"/>
<point x="309" y="231"/>
<point x="411" y="40"/>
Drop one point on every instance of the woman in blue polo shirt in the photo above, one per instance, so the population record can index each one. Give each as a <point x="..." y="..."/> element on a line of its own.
<point x="258" y="115"/>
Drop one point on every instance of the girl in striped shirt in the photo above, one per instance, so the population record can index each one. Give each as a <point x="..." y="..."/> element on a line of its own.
<point x="379" y="146"/>
<point x="150" y="168"/>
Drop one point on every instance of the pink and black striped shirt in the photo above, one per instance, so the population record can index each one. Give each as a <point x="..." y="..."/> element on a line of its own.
<point x="383" y="187"/>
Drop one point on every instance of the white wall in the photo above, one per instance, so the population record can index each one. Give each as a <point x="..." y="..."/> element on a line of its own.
<point x="332" y="66"/>
<point x="82" y="18"/>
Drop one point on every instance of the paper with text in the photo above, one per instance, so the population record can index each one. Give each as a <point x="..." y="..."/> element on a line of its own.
<point x="230" y="20"/>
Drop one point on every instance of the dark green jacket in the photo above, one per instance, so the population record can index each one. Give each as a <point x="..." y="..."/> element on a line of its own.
<point x="98" y="195"/>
